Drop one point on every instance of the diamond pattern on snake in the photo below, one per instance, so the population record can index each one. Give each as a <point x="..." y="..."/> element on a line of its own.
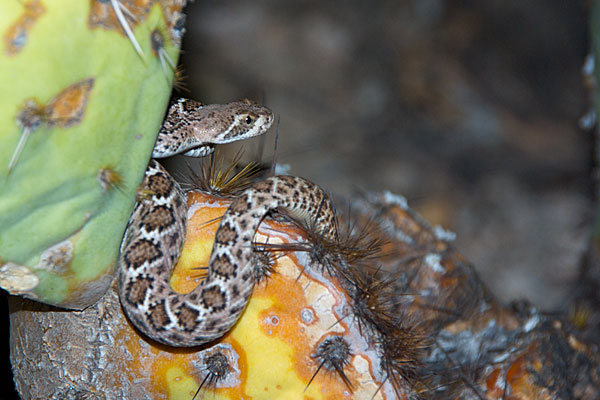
<point x="156" y="229"/>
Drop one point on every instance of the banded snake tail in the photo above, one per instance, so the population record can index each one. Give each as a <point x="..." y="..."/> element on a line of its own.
<point x="156" y="231"/>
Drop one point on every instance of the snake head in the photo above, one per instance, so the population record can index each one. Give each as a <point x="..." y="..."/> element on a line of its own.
<point x="240" y="120"/>
<point x="193" y="129"/>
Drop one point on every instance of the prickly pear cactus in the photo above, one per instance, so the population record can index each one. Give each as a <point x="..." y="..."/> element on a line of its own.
<point x="84" y="88"/>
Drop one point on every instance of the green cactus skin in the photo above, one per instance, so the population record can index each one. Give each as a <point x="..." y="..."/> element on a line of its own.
<point x="55" y="195"/>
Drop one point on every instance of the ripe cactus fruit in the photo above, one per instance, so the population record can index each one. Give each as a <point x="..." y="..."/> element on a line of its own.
<point x="81" y="110"/>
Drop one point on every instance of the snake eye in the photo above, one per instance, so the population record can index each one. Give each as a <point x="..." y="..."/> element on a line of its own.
<point x="248" y="119"/>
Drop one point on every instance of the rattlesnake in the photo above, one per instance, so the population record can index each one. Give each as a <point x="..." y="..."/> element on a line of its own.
<point x="156" y="229"/>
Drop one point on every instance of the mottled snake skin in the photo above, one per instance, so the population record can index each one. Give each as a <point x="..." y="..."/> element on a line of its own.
<point x="192" y="128"/>
<point x="156" y="231"/>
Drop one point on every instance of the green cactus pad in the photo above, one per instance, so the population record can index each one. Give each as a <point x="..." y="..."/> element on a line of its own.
<point x="90" y="107"/>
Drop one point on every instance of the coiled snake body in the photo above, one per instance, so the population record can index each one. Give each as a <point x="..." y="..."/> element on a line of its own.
<point x="156" y="230"/>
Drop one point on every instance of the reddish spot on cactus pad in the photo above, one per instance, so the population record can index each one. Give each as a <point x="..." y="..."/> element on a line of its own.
<point x="15" y="37"/>
<point x="65" y="109"/>
<point x="68" y="107"/>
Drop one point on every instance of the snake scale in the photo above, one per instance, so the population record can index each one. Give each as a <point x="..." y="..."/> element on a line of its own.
<point x="156" y="229"/>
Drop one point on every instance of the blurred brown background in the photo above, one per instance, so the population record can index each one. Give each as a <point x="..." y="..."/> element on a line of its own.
<point x="469" y="109"/>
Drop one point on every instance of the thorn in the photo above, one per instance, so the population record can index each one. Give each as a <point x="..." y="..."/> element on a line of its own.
<point x="30" y="118"/>
<point x="179" y="80"/>
<point x="314" y="375"/>
<point x="157" y="43"/>
<point x="164" y="53"/>
<point x="163" y="66"/>
<point x="339" y="320"/>
<point x="17" y="153"/>
<point x="211" y="221"/>
<point x="219" y="179"/>
<point x="217" y="369"/>
<point x="200" y="387"/>
<point x="164" y="56"/>
<point x="461" y="373"/>
<point x="118" y="7"/>
<point x="379" y="388"/>
<point x="340" y="371"/>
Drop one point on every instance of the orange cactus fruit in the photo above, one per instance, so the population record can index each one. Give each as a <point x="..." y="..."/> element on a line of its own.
<point x="295" y="340"/>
